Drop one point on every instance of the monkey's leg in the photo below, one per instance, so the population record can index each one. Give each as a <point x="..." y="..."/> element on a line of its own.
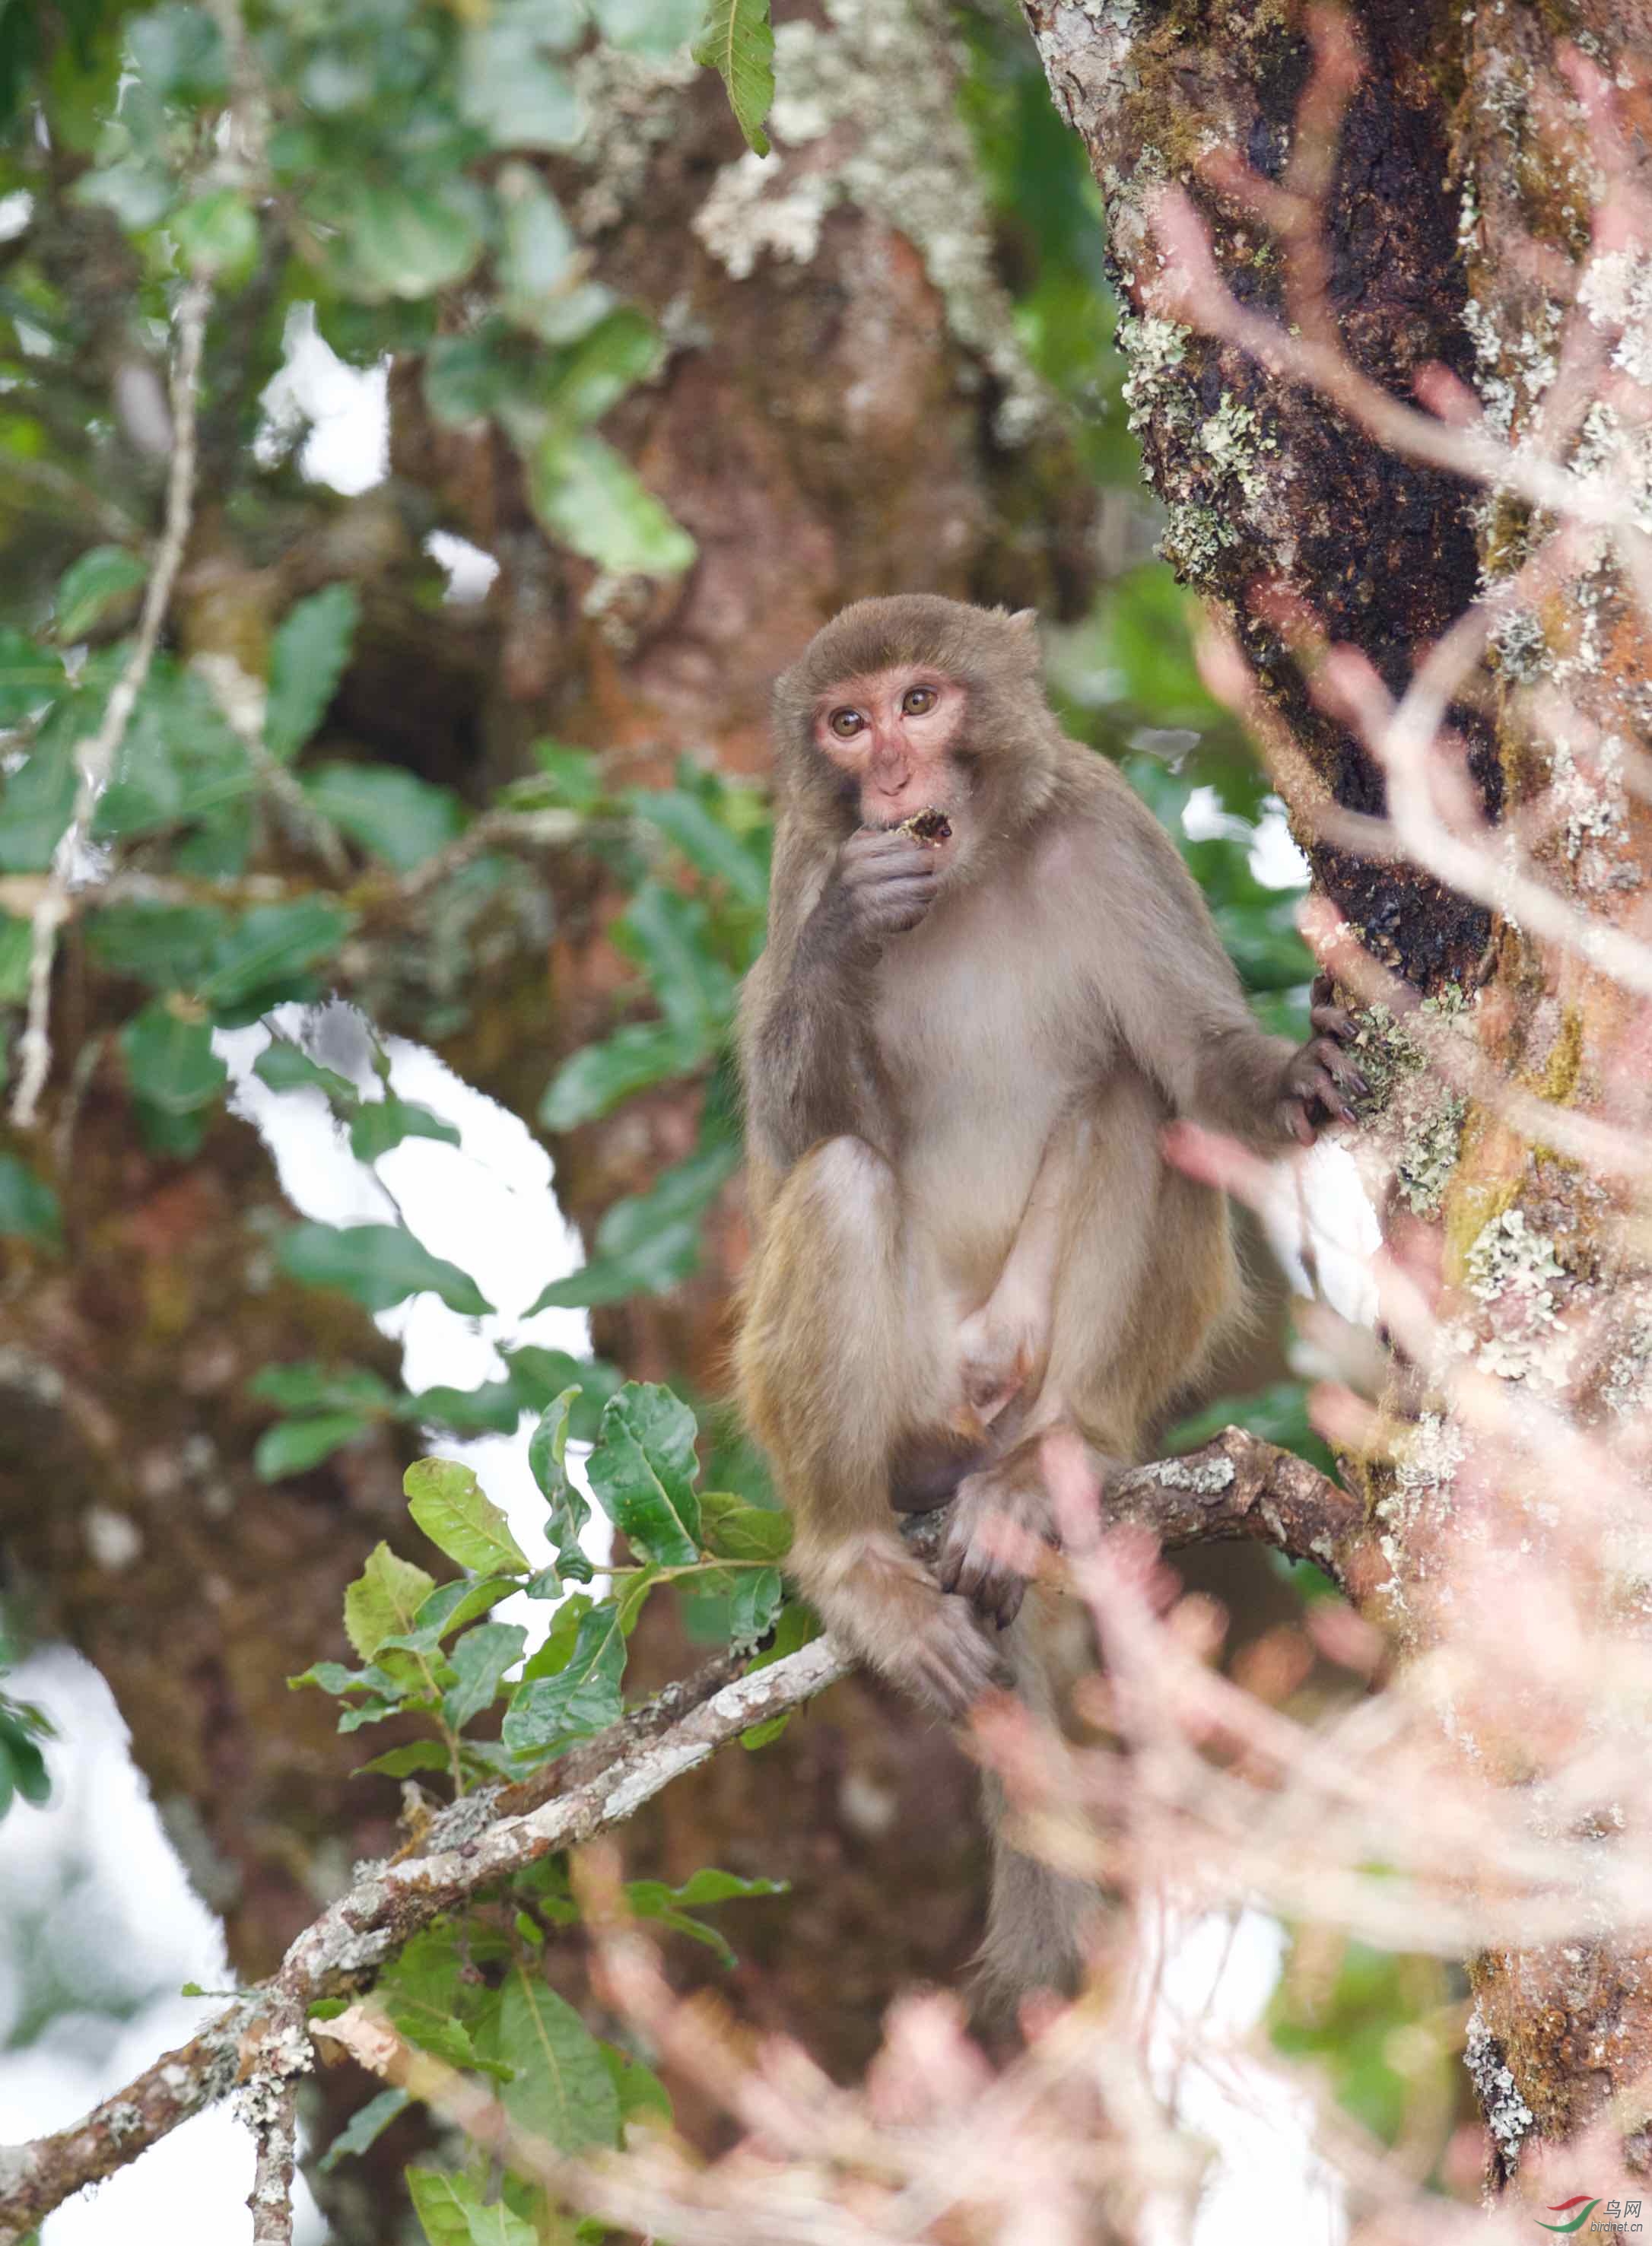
<point x="1146" y="1272"/>
<point x="1003" y="1347"/>
<point x="835" y="1368"/>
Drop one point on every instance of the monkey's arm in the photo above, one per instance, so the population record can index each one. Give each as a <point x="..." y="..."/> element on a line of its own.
<point x="1176" y="1001"/>
<point x="809" y="1061"/>
<point x="1003" y="1346"/>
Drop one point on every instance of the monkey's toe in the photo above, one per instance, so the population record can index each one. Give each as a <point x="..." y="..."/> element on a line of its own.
<point x="954" y="1662"/>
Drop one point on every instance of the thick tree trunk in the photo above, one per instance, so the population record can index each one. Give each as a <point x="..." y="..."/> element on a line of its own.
<point x="1462" y="146"/>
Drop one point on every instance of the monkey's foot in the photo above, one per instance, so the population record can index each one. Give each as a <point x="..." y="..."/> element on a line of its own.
<point x="994" y="1511"/>
<point x="888" y="1606"/>
<point x="1321" y="1077"/>
<point x="998" y="1350"/>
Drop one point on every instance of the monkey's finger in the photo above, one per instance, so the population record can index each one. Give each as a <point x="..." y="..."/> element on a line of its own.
<point x="1318" y="1084"/>
<point x="1297" y="1124"/>
<point x="1329" y="1055"/>
<point x="1334" y="1022"/>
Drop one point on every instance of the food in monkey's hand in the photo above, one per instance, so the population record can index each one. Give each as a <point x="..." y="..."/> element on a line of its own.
<point x="930" y="828"/>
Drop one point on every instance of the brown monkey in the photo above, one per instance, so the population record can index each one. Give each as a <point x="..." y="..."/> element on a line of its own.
<point x="959" y="1048"/>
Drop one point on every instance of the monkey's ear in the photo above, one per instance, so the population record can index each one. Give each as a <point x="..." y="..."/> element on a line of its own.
<point x="1024" y="624"/>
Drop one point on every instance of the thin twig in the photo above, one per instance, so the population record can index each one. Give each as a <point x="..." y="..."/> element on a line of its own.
<point x="95" y="756"/>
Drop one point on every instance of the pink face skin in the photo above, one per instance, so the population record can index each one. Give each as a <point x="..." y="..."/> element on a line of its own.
<point x="891" y="732"/>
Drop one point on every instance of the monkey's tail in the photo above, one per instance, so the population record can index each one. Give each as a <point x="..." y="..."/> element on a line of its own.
<point x="1038" y="1917"/>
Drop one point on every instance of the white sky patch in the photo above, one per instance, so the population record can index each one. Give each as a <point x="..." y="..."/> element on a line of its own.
<point x="1318" y="1214"/>
<point x="98" y="1915"/>
<point x="470" y="571"/>
<point x="1266" y="2183"/>
<point x="347" y="409"/>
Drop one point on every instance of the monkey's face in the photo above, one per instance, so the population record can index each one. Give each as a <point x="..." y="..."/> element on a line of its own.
<point x="895" y="736"/>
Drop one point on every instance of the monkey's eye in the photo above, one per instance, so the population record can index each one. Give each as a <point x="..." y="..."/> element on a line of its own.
<point x="846" y="724"/>
<point x="917" y="699"/>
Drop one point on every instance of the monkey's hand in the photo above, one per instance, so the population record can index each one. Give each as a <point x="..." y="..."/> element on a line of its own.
<point x="886" y="882"/>
<point x="881" y="1599"/>
<point x="1320" y="1074"/>
<point x="1004" y="1506"/>
<point x="1000" y="1349"/>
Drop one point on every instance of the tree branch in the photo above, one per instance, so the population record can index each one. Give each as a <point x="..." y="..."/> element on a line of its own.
<point x="1235" y="1487"/>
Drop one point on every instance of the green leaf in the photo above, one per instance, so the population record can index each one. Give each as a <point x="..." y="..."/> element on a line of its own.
<point x="648" y="1242"/>
<point x="495" y="2225"/>
<point x="480" y="1658"/>
<point x="494" y="1409"/>
<point x="16" y="944"/>
<point x="216" y="235"/>
<point x="93" y="583"/>
<point x="754" y="1601"/>
<point x="596" y="1080"/>
<point x="508" y="85"/>
<point x="179" y="53"/>
<point x="622" y="350"/>
<point x="378" y="1125"/>
<point x="657" y="27"/>
<point x="541" y="266"/>
<point x="397" y="816"/>
<point x="449" y="1607"/>
<point x="642" y="1472"/>
<point x="548" y="1462"/>
<point x="378" y="1265"/>
<point x="467" y="377"/>
<point x="671" y="1905"/>
<point x="312" y="1387"/>
<point x="307" y="660"/>
<point x="28" y="1208"/>
<point x="405" y="1762"/>
<point x="167" y="946"/>
<point x="736" y="43"/>
<point x="583" y="1696"/>
<point x="394" y="241"/>
<point x="576" y="774"/>
<point x="284" y="1068"/>
<point x="736" y="1530"/>
<point x="31" y="678"/>
<point x="369" y="2122"/>
<point x="591" y="498"/>
<point x="38" y="803"/>
<point x="333" y="1677"/>
<point x="294" y="1445"/>
<point x="687" y="821"/>
<point x="169" y="1057"/>
<point x="383" y="1600"/>
<point x="643" y="2097"/>
<point x="269" y="947"/>
<point x="442" y="2203"/>
<point x="668" y="936"/>
<point x="560" y="2089"/>
<point x="447" y="1501"/>
<point x="540" y="1375"/>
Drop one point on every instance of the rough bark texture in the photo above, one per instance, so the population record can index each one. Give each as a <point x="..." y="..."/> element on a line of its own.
<point x="1462" y="146"/>
<point x="1264" y="483"/>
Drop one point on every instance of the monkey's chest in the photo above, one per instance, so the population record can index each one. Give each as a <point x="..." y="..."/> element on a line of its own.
<point x="979" y="1072"/>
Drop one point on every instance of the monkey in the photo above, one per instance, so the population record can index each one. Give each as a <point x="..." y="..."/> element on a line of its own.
<point x="988" y="984"/>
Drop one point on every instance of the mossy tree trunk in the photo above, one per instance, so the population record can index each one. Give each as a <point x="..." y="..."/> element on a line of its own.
<point x="1463" y="146"/>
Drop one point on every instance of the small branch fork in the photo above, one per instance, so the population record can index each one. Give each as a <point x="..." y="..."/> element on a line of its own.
<point x="1235" y="1487"/>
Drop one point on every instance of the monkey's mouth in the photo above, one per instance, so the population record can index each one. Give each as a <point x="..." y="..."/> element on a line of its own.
<point x="929" y="827"/>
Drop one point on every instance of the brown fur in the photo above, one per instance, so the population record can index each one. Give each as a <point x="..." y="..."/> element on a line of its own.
<point x="968" y="1234"/>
